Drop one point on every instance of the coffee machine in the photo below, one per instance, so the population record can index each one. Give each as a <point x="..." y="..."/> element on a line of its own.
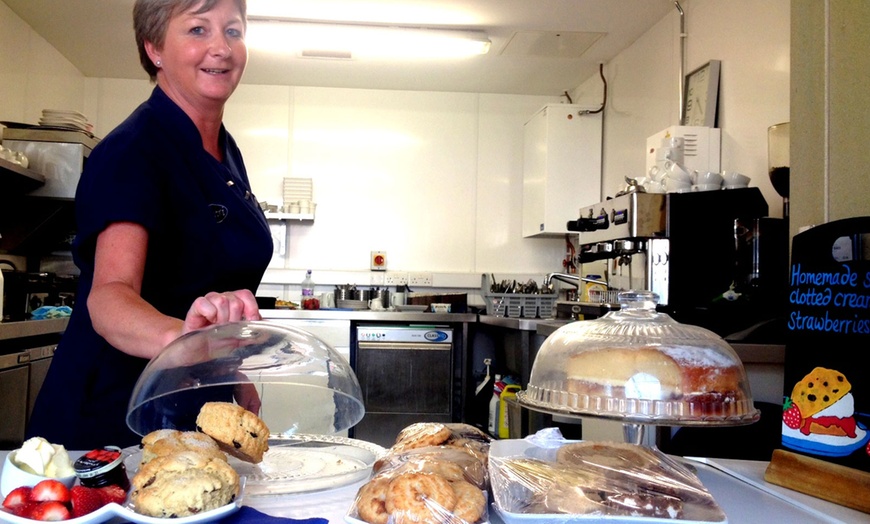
<point x="714" y="258"/>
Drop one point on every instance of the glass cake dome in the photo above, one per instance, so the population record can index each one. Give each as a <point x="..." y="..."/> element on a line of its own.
<point x="303" y="385"/>
<point x="639" y="366"/>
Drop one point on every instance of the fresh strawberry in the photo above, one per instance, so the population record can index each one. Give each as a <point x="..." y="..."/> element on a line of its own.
<point x="50" y="489"/>
<point x="17" y="497"/>
<point x="85" y="500"/>
<point x="49" y="510"/>
<point x="113" y="493"/>
<point x="791" y="414"/>
<point x="24" y="510"/>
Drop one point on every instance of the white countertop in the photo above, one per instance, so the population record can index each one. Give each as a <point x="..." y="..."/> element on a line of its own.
<point x="737" y="485"/>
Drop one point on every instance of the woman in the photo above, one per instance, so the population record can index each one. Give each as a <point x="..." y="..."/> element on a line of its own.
<point x="170" y="238"/>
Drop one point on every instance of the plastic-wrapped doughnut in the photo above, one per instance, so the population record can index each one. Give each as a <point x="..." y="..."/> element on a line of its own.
<point x="470" y="501"/>
<point x="422" y="434"/>
<point x="421" y="498"/>
<point x="371" y="501"/>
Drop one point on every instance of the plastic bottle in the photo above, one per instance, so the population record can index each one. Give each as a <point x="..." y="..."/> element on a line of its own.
<point x="597" y="290"/>
<point x="307" y="286"/>
<point x="492" y="424"/>
<point x="510" y="391"/>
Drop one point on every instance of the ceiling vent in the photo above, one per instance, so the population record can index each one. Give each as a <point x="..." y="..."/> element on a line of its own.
<point x="550" y="44"/>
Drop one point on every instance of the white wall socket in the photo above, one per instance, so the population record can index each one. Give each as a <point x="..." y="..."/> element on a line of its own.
<point x="395" y="278"/>
<point x="420" y="279"/>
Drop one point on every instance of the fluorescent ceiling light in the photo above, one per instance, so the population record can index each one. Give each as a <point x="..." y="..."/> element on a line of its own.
<point x="328" y="40"/>
<point x="365" y="12"/>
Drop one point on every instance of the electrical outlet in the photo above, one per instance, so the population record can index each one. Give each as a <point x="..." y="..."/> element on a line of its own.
<point x="395" y="278"/>
<point x="377" y="278"/>
<point x="420" y="279"/>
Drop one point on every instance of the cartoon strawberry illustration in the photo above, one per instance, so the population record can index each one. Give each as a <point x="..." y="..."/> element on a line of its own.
<point x="791" y="414"/>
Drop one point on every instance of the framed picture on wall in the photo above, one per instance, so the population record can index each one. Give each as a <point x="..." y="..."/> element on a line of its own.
<point x="702" y="95"/>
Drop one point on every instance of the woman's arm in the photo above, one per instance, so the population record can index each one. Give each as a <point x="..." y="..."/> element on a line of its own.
<point x="129" y="323"/>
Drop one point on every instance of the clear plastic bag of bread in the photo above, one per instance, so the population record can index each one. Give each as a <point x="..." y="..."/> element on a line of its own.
<point x="434" y="473"/>
<point x="452" y="463"/>
<point x="409" y="497"/>
<point x="600" y="479"/>
<point x="456" y="435"/>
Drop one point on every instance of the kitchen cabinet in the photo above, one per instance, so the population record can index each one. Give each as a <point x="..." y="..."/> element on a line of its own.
<point x="26" y="349"/>
<point x="561" y="167"/>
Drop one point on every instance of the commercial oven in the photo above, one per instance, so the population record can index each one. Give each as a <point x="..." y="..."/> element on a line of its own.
<point x="406" y="376"/>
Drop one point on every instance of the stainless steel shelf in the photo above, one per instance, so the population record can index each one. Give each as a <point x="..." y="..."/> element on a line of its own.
<point x="31" y="328"/>
<point x="289" y="216"/>
<point x="20" y="178"/>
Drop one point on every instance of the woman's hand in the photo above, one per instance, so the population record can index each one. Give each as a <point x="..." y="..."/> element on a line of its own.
<point x="246" y="396"/>
<point x="220" y="308"/>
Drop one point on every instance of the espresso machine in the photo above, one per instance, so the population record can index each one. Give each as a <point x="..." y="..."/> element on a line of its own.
<point x="714" y="258"/>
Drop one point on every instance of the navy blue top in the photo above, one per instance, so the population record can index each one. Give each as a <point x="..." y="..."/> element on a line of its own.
<point x="204" y="234"/>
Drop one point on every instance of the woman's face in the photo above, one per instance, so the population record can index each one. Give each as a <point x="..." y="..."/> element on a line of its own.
<point x="203" y="55"/>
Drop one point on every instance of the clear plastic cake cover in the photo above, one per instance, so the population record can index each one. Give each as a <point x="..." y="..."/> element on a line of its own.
<point x="638" y="365"/>
<point x="303" y="385"/>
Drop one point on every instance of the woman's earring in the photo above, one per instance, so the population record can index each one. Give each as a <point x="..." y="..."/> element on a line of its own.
<point x="158" y="63"/>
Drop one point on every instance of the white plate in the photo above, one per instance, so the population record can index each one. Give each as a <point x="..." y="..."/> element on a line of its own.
<point x="352" y="304"/>
<point x="306" y="463"/>
<point x="411" y="307"/>
<point x="112" y="510"/>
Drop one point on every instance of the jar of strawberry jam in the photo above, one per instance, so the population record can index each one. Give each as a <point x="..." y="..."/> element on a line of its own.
<point x="102" y="467"/>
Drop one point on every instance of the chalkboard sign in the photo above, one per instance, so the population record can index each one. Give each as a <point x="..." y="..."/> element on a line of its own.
<point x="826" y="408"/>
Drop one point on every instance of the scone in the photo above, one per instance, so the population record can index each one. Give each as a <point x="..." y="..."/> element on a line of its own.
<point x="183" y="484"/>
<point x="236" y="430"/>
<point x="168" y="441"/>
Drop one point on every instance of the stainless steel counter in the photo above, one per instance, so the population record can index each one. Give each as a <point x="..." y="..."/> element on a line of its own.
<point x="31" y="328"/>
<point x="365" y="314"/>
<point x="523" y="324"/>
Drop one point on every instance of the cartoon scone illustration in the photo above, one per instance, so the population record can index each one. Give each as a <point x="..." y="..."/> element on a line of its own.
<point x="819" y="417"/>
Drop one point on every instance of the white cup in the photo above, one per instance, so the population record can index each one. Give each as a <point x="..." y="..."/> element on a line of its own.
<point x="674" y="186"/>
<point x="376" y="304"/>
<point x="673" y="141"/>
<point x="397" y="299"/>
<point x="708" y="178"/>
<point x="654" y="187"/>
<point x="734" y="180"/>
<point x="657" y="171"/>
<point x="706" y="187"/>
<point x="327" y="300"/>
<point x="677" y="172"/>
<point x="669" y="153"/>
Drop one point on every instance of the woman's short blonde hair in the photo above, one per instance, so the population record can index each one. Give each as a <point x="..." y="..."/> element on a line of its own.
<point x="151" y="20"/>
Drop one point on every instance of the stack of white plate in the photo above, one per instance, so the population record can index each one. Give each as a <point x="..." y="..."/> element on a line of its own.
<point x="66" y="119"/>
<point x="297" y="192"/>
<point x="352" y="304"/>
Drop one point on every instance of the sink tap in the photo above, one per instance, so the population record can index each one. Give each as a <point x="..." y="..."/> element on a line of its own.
<point x="571" y="279"/>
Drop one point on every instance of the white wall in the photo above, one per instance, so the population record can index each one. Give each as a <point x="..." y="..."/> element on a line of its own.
<point x="33" y="75"/>
<point x="751" y="39"/>
<point x="435" y="179"/>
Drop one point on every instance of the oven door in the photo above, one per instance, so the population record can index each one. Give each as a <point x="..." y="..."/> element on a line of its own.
<point x="14" y="380"/>
<point x="402" y="383"/>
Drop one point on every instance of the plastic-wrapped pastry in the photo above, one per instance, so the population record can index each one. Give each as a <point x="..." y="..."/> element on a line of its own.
<point x="434" y="473"/>
<point x="599" y="479"/>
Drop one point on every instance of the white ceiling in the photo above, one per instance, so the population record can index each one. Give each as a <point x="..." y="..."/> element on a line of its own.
<point x="97" y="37"/>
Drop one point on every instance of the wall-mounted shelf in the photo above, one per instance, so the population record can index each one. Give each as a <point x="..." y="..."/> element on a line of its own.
<point x="15" y="177"/>
<point x="289" y="216"/>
